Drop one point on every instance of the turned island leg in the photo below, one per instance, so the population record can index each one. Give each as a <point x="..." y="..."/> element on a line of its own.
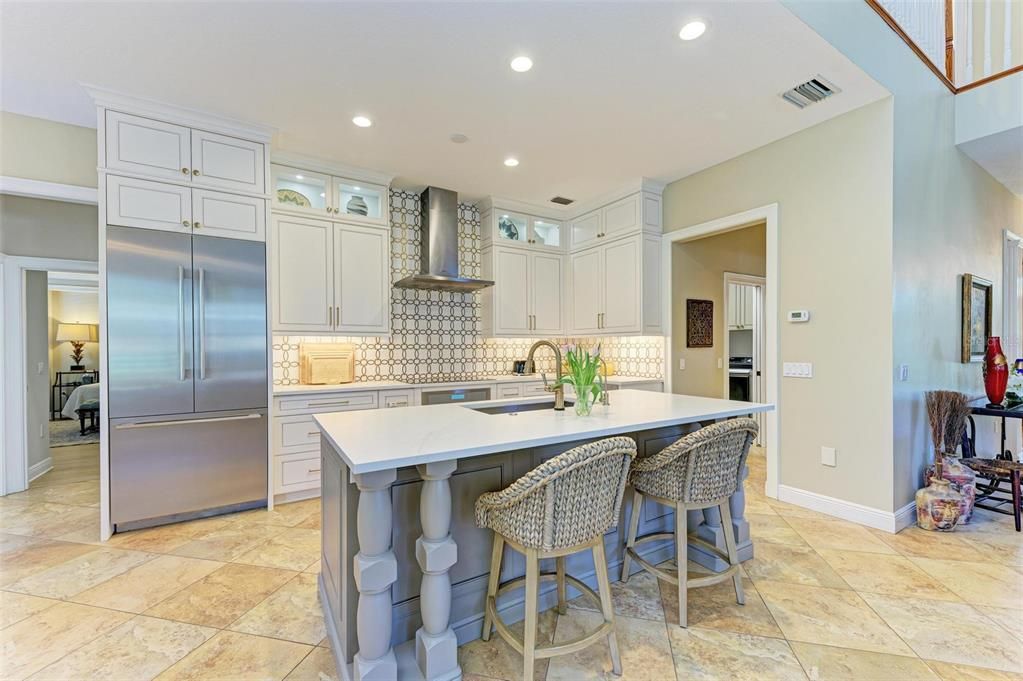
<point x="436" y="552"/>
<point x="375" y="569"/>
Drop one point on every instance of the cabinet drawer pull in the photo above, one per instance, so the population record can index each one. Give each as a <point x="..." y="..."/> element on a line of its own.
<point x="197" y="225"/>
<point x="328" y="404"/>
<point x="397" y="404"/>
<point x="186" y="223"/>
<point x="313" y="470"/>
<point x="184" y="171"/>
<point x="313" y="432"/>
<point x="195" y="172"/>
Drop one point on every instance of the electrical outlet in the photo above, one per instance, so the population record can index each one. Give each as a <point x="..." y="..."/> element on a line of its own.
<point x="829" y="456"/>
<point x="681" y="363"/>
<point x="40" y="367"/>
<point x="42" y="430"/>
<point x="903" y="372"/>
<point x="797" y="369"/>
<point x="720" y="363"/>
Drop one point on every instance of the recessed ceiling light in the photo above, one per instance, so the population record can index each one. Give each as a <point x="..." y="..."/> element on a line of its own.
<point x="521" y="64"/>
<point x="692" y="30"/>
<point x="322" y="194"/>
<point x="356" y="189"/>
<point x="362" y="121"/>
<point x="511" y="162"/>
<point x="459" y="138"/>
<point x="299" y="177"/>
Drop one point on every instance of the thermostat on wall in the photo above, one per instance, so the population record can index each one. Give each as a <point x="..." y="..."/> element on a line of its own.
<point x="799" y="316"/>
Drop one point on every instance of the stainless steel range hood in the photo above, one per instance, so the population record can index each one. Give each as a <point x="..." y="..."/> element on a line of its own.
<point x="438" y="270"/>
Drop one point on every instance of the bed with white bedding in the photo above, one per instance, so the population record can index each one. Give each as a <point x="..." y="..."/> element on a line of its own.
<point x="87" y="392"/>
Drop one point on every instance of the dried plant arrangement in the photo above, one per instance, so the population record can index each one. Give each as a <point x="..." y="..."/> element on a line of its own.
<point x="947" y="411"/>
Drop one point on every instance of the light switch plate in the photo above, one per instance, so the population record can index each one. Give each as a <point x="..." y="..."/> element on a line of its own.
<point x="798" y="369"/>
<point x="681" y="363"/>
<point x="720" y="363"/>
<point x="903" y="372"/>
<point x="829" y="456"/>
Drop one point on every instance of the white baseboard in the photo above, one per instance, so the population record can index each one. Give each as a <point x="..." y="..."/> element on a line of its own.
<point x="848" y="510"/>
<point x="41" y="468"/>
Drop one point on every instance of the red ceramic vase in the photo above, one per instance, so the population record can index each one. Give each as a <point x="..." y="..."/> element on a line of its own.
<point x="996" y="371"/>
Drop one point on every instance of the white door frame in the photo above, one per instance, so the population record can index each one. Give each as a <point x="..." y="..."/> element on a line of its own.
<point x="1012" y="318"/>
<point x="728" y="223"/>
<point x="14" y="459"/>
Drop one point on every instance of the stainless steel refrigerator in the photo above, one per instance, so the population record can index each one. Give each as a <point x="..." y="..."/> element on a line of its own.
<point x="187" y="375"/>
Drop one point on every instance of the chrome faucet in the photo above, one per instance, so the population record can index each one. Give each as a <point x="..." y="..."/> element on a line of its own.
<point x="558" y="388"/>
<point x="605" y="397"/>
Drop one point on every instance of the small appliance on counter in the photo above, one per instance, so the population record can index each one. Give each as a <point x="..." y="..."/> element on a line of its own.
<point x="519" y="367"/>
<point x="326" y="363"/>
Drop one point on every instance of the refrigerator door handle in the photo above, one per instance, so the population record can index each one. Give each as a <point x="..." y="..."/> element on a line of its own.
<point x="202" y="324"/>
<point x="181" y="323"/>
<point x="183" y="422"/>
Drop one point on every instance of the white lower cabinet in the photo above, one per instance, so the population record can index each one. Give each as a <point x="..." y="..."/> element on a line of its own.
<point x="526" y="299"/>
<point x="329" y="277"/>
<point x="616" y="287"/>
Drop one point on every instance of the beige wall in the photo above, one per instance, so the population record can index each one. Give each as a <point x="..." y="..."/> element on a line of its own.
<point x="698" y="271"/>
<point x="48" y="229"/>
<point x="833" y="187"/>
<point x="38" y="149"/>
<point x="37" y="389"/>
<point x="949" y="215"/>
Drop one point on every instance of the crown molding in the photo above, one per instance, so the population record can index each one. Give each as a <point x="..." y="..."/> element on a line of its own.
<point x="642" y="184"/>
<point x="327" y="167"/>
<point x="119" y="101"/>
<point x="53" y="191"/>
<point x="513" y="205"/>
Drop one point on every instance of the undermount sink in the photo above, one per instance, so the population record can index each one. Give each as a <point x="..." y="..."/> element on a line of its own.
<point x="516" y="408"/>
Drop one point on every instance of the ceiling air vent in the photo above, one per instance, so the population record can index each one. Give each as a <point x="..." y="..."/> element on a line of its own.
<point x="810" y="92"/>
<point x="562" y="201"/>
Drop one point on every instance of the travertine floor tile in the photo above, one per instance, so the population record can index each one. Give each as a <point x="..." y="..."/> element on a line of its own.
<point x="317" y="666"/>
<point x="795" y="564"/>
<point x="1004" y="547"/>
<point x="979" y="583"/>
<point x="44" y="638"/>
<point x="962" y="672"/>
<point x="230" y="656"/>
<point x="142" y="587"/>
<point x="311" y="522"/>
<point x="228" y="542"/>
<point x="292" y="549"/>
<point x="838" y="534"/>
<point x="827" y="663"/>
<point x="16" y="607"/>
<point x="639" y="597"/>
<point x="787" y="510"/>
<point x="1011" y="619"/>
<point x="292" y="613"/>
<point x="222" y="596"/>
<point x="949" y="632"/>
<point x="32" y="556"/>
<point x="830" y="617"/>
<point x="78" y="574"/>
<point x="773" y="529"/>
<point x="495" y="659"/>
<point x="84" y="493"/>
<point x="916" y="543"/>
<point x="166" y="538"/>
<point x="644" y="646"/>
<point x="714" y="607"/>
<point x="709" y="655"/>
<point x="887" y="574"/>
<point x="44" y="519"/>
<point x="139" y="649"/>
<point x="283" y="515"/>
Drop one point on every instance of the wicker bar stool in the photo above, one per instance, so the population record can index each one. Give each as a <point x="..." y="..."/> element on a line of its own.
<point x="701" y="470"/>
<point x="563" y="506"/>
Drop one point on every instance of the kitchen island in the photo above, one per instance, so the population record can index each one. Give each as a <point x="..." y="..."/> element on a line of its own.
<point x="404" y="568"/>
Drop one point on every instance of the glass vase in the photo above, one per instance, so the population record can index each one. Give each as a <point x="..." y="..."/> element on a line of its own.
<point x="938" y="506"/>
<point x="583" y="400"/>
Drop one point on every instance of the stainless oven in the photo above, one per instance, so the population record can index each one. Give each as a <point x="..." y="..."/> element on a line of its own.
<point x="740" y="379"/>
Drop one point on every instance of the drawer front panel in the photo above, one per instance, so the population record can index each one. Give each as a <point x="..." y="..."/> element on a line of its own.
<point x="533" y="389"/>
<point x="327" y="402"/>
<point x="295" y="431"/>
<point x="296" y="472"/>
<point x="396" y="398"/>
<point x="505" y="391"/>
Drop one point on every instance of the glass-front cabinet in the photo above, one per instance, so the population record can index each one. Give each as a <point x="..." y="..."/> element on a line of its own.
<point x="512" y="227"/>
<point x="546" y="233"/>
<point x="303" y="191"/>
<point x="505" y="227"/>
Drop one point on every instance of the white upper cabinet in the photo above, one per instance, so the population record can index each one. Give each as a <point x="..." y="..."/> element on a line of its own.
<point x="740" y="307"/>
<point x="150" y="205"/>
<point x="147" y="147"/>
<point x="616" y="287"/>
<point x="587" y="291"/>
<point x="635" y="213"/>
<point x="526" y="298"/>
<point x="546" y="233"/>
<point x="362" y="282"/>
<point x="228" y="215"/>
<point x="504" y="226"/>
<point x="622" y="287"/>
<point x="151" y="148"/>
<point x="299" y="190"/>
<point x="586" y="229"/>
<point x="302" y="274"/>
<point x="227" y="162"/>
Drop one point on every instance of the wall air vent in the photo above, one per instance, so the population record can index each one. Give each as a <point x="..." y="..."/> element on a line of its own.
<point x="562" y="201"/>
<point x="812" y="91"/>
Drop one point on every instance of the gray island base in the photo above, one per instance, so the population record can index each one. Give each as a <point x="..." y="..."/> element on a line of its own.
<point x="404" y="568"/>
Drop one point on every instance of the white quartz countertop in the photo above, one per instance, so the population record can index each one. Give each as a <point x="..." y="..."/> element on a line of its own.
<point x="300" y="388"/>
<point x="375" y="440"/>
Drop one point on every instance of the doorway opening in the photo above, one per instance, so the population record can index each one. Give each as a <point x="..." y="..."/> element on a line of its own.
<point x="743" y="317"/>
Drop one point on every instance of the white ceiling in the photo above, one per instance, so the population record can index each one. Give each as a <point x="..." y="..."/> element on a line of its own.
<point x="614" y="94"/>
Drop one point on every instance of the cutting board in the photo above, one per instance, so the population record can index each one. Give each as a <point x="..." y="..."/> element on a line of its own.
<point x="326" y="363"/>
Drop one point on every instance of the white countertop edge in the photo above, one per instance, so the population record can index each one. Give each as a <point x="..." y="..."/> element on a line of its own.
<point x="526" y="442"/>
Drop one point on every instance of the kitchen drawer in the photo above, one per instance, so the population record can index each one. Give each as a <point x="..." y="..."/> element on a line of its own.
<point x="395" y="398"/>
<point x="296" y="472"/>
<point x="295" y="432"/>
<point x="325" y="402"/>
<point x="533" y="388"/>
<point x="506" y="391"/>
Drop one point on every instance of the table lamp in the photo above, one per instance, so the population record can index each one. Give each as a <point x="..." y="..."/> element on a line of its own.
<point x="78" y="335"/>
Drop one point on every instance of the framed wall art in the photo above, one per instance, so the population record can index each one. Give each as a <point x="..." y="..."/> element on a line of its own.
<point x="978" y="303"/>
<point x="699" y="323"/>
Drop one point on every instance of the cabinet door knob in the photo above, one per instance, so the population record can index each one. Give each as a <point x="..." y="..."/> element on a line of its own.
<point x="186" y="223"/>
<point x="197" y="225"/>
<point x="195" y="172"/>
<point x="184" y="171"/>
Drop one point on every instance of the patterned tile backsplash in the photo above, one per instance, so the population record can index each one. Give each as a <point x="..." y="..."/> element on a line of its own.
<point x="436" y="335"/>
